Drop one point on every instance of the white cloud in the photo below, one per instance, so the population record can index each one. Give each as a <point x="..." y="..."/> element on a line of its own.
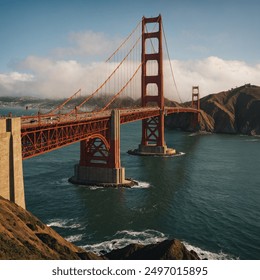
<point x="213" y="75"/>
<point x="10" y="81"/>
<point x="88" y="43"/>
<point x="13" y="77"/>
<point x="54" y="78"/>
<point x="61" y="78"/>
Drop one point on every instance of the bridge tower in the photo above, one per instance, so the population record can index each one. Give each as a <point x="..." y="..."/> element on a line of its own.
<point x="196" y="105"/>
<point x="153" y="142"/>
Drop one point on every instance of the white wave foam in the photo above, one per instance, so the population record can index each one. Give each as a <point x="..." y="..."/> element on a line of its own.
<point x="180" y="154"/>
<point x="126" y="237"/>
<point x="141" y="185"/>
<point x="60" y="182"/>
<point x="203" y="254"/>
<point x="193" y="134"/>
<point x="252" y="140"/>
<point x="74" y="238"/>
<point x="92" y="188"/>
<point x="67" y="223"/>
<point x="198" y="133"/>
<point x="123" y="238"/>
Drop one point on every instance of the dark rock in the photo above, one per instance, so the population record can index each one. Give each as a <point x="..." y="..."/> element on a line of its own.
<point x="124" y="253"/>
<point x="165" y="250"/>
<point x="89" y="256"/>
<point x="33" y="227"/>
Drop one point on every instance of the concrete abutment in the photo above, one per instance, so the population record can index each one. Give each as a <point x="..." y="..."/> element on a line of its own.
<point x="11" y="168"/>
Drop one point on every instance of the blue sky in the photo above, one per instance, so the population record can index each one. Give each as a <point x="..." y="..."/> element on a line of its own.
<point x="200" y="34"/>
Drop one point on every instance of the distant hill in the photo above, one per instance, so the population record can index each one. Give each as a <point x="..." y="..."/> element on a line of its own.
<point x="95" y="103"/>
<point x="41" y="104"/>
<point x="233" y="111"/>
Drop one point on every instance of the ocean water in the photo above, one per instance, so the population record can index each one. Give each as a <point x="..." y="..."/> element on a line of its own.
<point x="209" y="197"/>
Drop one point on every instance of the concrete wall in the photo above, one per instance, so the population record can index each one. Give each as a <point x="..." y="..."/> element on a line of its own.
<point x="11" y="169"/>
<point x="98" y="175"/>
<point x="5" y="138"/>
<point x="152" y="149"/>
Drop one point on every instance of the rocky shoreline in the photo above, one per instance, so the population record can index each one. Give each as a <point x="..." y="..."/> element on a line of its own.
<point x="25" y="237"/>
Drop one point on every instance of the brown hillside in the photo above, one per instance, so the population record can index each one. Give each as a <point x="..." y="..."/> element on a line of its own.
<point x="23" y="236"/>
<point x="233" y="111"/>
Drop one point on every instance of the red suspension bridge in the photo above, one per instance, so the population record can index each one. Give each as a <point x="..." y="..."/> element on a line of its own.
<point x="99" y="131"/>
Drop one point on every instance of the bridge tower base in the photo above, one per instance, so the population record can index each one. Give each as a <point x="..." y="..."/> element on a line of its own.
<point x="100" y="159"/>
<point x="11" y="168"/>
<point x="99" y="176"/>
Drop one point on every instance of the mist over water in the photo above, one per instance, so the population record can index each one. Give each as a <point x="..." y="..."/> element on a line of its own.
<point x="208" y="197"/>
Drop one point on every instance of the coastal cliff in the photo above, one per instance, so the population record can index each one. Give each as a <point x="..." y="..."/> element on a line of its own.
<point x="24" y="237"/>
<point x="233" y="111"/>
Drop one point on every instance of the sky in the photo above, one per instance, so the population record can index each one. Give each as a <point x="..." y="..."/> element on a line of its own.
<point x="50" y="48"/>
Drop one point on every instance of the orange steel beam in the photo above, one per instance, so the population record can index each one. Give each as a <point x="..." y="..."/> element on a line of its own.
<point x="37" y="140"/>
<point x="45" y="137"/>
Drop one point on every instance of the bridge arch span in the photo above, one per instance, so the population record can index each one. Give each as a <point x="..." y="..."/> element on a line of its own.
<point x="100" y="137"/>
<point x="94" y="151"/>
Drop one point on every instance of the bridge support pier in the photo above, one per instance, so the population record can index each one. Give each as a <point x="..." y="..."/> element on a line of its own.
<point x="100" y="159"/>
<point x="99" y="176"/>
<point x="11" y="168"/>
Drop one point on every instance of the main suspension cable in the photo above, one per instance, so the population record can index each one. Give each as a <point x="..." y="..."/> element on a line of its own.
<point x="127" y="38"/>
<point x="167" y="50"/>
<point x="63" y="104"/>
<point x="109" y="77"/>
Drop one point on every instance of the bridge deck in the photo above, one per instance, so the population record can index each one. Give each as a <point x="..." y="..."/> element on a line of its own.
<point x="44" y="133"/>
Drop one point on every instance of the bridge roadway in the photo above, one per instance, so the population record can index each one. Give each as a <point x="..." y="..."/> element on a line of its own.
<point x="44" y="133"/>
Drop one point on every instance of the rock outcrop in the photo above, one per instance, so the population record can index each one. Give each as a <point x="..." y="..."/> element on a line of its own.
<point x="24" y="237"/>
<point x="165" y="250"/>
<point x="233" y="111"/>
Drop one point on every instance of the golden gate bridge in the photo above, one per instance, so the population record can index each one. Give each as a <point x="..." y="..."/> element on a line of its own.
<point x="98" y="131"/>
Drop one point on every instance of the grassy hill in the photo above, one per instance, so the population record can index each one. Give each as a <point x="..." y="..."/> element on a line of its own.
<point x="233" y="111"/>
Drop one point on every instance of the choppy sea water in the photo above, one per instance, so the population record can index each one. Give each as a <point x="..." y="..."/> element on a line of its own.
<point x="208" y="197"/>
